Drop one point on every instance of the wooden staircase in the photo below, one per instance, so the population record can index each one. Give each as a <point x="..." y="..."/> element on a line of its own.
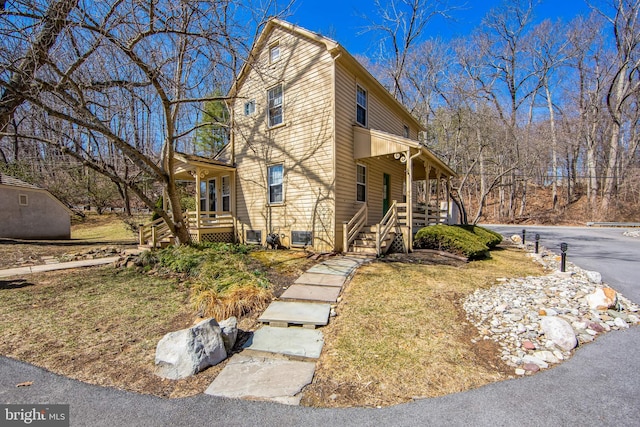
<point x="365" y="242"/>
<point x="370" y="239"/>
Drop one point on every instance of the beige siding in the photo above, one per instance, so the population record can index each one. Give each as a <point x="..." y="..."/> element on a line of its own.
<point x="303" y="144"/>
<point x="382" y="116"/>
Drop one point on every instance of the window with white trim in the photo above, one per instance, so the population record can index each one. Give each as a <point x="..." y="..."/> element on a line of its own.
<point x="274" y="97"/>
<point x="250" y="107"/>
<point x="274" y="176"/>
<point x="361" y="106"/>
<point x="361" y="183"/>
<point x="274" y="52"/>
<point x="226" y="193"/>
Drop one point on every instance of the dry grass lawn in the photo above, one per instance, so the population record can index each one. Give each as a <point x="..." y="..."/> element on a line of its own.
<point x="401" y="334"/>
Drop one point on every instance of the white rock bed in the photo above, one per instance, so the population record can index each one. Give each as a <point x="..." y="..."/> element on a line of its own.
<point x="634" y="233"/>
<point x="510" y="313"/>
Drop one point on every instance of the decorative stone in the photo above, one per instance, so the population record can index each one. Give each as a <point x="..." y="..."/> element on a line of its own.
<point x="528" y="345"/>
<point x="520" y="371"/>
<point x="535" y="360"/>
<point x="188" y="351"/>
<point x="593" y="276"/>
<point x="546" y="356"/>
<point x="620" y="323"/>
<point x="531" y="367"/>
<point x="229" y="330"/>
<point x="560" y="332"/>
<point x="602" y="299"/>
<point x="516" y="239"/>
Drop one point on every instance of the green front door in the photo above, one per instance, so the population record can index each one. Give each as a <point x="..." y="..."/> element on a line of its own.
<point x="386" y="193"/>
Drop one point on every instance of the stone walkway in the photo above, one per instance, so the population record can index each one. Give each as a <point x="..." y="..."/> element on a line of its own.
<point x="278" y="361"/>
<point x="19" y="271"/>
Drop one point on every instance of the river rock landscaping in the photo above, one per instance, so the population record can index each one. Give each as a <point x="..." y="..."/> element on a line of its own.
<point x="538" y="321"/>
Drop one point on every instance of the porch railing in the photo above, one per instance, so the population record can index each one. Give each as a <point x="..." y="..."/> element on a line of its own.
<point x="428" y="215"/>
<point x="209" y="219"/>
<point x="384" y="227"/>
<point x="154" y="232"/>
<point x="351" y="229"/>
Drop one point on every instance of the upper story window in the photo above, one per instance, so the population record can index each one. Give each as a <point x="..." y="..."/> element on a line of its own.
<point x="406" y="131"/>
<point x="274" y="96"/>
<point x="361" y="109"/>
<point x="274" y="176"/>
<point x="274" y="52"/>
<point x="361" y="183"/>
<point x="250" y="107"/>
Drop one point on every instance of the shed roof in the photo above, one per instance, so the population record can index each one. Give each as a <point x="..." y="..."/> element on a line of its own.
<point x="15" y="182"/>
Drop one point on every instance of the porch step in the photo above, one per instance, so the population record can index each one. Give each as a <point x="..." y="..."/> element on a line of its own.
<point x="285" y="313"/>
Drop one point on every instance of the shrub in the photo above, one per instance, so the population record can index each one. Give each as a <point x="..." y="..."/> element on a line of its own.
<point x="452" y="239"/>
<point x="488" y="237"/>
<point x="181" y="259"/>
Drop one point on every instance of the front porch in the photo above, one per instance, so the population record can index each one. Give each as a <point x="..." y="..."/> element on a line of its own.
<point x="426" y="200"/>
<point x="213" y="219"/>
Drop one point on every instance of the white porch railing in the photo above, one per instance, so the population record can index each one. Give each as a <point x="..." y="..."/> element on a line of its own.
<point x="351" y="229"/>
<point x="428" y="215"/>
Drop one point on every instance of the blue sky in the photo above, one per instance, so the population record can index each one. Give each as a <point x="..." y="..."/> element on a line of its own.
<point x="342" y="21"/>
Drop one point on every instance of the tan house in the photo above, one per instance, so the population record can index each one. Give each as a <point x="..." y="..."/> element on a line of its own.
<point x="320" y="154"/>
<point x="29" y="212"/>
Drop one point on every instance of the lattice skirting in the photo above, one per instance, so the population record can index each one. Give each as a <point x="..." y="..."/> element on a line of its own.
<point x="397" y="245"/>
<point x="222" y="237"/>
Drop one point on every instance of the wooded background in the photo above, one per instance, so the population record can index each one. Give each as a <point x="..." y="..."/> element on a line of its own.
<point x="95" y="97"/>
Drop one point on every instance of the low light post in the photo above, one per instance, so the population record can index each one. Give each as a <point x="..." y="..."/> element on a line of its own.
<point x="524" y="233"/>
<point x="537" y="242"/>
<point x="563" y="257"/>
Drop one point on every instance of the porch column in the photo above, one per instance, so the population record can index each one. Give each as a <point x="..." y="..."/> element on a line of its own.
<point x="448" y="199"/>
<point x="409" y="178"/>
<point x="438" y="178"/>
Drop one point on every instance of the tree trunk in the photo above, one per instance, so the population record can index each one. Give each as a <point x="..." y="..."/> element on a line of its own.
<point x="554" y="149"/>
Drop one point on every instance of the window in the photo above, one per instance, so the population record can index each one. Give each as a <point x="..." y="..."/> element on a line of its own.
<point x="361" y="110"/>
<point x="23" y="200"/>
<point x="250" y="107"/>
<point x="213" y="196"/>
<point x="361" y="184"/>
<point x="274" y="52"/>
<point x="301" y="238"/>
<point x="203" y="195"/>
<point x="406" y="131"/>
<point x="254" y="236"/>
<point x="226" y="194"/>
<point x="274" y="96"/>
<point x="275" y="183"/>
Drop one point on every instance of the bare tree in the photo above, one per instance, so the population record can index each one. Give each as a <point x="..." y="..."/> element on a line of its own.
<point x="623" y="17"/>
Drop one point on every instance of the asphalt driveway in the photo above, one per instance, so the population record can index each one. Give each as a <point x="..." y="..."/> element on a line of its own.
<point x="598" y="386"/>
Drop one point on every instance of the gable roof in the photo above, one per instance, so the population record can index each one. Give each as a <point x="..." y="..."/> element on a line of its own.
<point x="15" y="182"/>
<point x="333" y="47"/>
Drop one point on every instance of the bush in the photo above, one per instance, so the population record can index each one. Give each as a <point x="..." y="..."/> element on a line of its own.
<point x="452" y="239"/>
<point x="488" y="237"/>
<point x="181" y="259"/>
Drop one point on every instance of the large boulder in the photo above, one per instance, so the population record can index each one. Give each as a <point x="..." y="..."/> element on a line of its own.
<point x="229" y="329"/>
<point x="602" y="299"/>
<point x="188" y="351"/>
<point x="559" y="331"/>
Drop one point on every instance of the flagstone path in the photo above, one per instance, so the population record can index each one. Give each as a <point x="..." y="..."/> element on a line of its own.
<point x="278" y="361"/>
